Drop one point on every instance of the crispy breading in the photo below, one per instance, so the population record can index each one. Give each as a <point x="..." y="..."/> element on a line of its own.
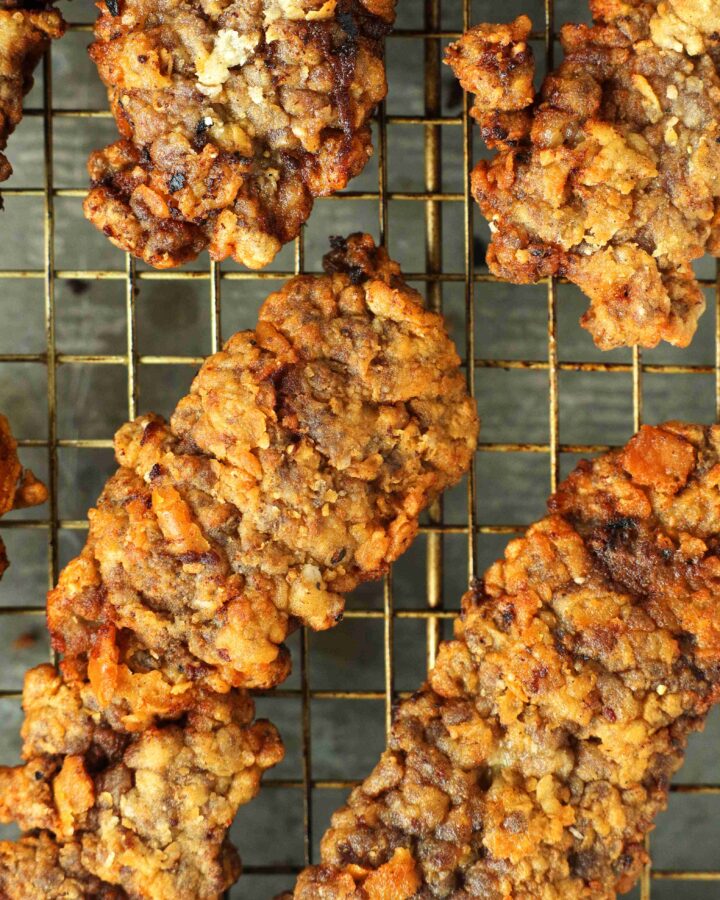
<point x="534" y="761"/>
<point x="19" y="488"/>
<point x="26" y="29"/>
<point x="296" y="468"/>
<point x="611" y="176"/>
<point x="148" y="813"/>
<point x="234" y="116"/>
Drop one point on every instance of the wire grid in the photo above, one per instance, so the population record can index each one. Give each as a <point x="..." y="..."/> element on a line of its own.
<point x="431" y="201"/>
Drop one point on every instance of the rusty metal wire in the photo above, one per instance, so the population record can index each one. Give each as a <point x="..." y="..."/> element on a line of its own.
<point x="431" y="201"/>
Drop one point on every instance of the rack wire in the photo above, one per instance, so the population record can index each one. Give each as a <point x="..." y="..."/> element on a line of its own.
<point x="432" y="202"/>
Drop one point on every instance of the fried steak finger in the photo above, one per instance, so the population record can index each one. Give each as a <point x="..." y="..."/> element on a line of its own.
<point x="26" y="29"/>
<point x="19" y="488"/>
<point x="534" y="761"/>
<point x="296" y="468"/>
<point x="148" y="813"/>
<point x="610" y="177"/>
<point x="234" y="116"/>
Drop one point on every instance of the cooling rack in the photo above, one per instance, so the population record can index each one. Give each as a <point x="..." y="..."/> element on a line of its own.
<point x="543" y="407"/>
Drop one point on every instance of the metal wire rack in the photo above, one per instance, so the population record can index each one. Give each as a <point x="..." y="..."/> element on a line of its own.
<point x="431" y="202"/>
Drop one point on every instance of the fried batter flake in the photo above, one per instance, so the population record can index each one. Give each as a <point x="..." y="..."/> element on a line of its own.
<point x="296" y="468"/>
<point x="147" y="813"/>
<point x="611" y="177"/>
<point x="534" y="761"/>
<point x="26" y="29"/>
<point x="234" y="115"/>
<point x="19" y="488"/>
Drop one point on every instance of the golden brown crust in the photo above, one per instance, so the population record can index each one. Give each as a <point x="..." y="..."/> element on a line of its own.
<point x="148" y="813"/>
<point x="19" y="488"/>
<point x="296" y="468"/>
<point x="611" y="177"/>
<point x="533" y="762"/>
<point x="234" y="116"/>
<point x="26" y="29"/>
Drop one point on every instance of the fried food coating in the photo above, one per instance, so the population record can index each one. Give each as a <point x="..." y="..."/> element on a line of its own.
<point x="234" y="115"/>
<point x="296" y="468"/>
<point x="534" y="760"/>
<point x="26" y="29"/>
<point x="19" y="488"/>
<point x="147" y="813"/>
<point x="611" y="177"/>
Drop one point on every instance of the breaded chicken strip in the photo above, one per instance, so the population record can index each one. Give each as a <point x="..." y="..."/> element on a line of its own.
<point x="534" y="761"/>
<point x="148" y="813"/>
<point x="296" y="468"/>
<point x="611" y="177"/>
<point x="234" y="116"/>
<point x="26" y="29"/>
<point x="19" y="488"/>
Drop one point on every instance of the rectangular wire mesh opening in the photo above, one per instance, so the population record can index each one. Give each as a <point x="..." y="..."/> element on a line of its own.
<point x="90" y="338"/>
